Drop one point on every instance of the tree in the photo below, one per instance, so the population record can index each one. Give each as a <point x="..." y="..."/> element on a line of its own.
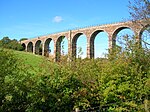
<point x="4" y="42"/>
<point x="140" y="9"/>
<point x="10" y="44"/>
<point x="23" y="39"/>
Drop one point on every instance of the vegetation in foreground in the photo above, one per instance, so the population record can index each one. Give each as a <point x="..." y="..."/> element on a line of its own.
<point x="119" y="83"/>
<point x="116" y="84"/>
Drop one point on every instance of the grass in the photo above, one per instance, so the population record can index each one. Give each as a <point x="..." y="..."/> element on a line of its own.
<point x="31" y="60"/>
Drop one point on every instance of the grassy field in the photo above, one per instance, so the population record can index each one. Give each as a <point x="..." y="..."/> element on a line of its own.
<point x="30" y="60"/>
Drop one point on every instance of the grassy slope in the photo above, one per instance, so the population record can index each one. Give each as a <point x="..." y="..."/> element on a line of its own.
<point x="31" y="60"/>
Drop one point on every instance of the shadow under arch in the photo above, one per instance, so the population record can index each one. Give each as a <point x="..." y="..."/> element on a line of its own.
<point x="92" y="41"/>
<point x="38" y="47"/>
<point x="74" y="44"/>
<point x="143" y="29"/>
<point x="47" y="49"/>
<point x="30" y="47"/>
<point x="60" y="47"/>
<point x="116" y="32"/>
<point x="144" y="36"/>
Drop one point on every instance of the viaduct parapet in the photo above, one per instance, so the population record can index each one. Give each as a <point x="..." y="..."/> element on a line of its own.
<point x="33" y="45"/>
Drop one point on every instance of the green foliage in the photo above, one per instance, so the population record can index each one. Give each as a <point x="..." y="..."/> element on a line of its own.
<point x="10" y="44"/>
<point x="125" y="79"/>
<point x="23" y="39"/>
<point x="12" y="78"/>
<point x="118" y="83"/>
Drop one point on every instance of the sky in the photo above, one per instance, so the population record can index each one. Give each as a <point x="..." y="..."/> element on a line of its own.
<point x="32" y="18"/>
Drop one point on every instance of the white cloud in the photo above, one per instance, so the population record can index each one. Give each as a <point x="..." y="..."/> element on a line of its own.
<point x="57" y="19"/>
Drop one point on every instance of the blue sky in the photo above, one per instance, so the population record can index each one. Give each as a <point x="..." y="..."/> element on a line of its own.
<point x="31" y="18"/>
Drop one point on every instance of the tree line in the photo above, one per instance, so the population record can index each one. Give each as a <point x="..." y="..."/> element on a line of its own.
<point x="14" y="44"/>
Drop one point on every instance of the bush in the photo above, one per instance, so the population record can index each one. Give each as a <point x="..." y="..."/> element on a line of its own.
<point x="117" y="83"/>
<point x="13" y="80"/>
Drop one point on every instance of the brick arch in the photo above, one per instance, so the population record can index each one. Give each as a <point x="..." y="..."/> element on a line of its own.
<point x="58" y="46"/>
<point x="74" y="44"/>
<point x="30" y="47"/>
<point x="111" y="29"/>
<point x="46" y="46"/>
<point x="38" y="48"/>
<point x="92" y="38"/>
<point x="142" y="30"/>
<point x="144" y="39"/>
<point x="117" y="30"/>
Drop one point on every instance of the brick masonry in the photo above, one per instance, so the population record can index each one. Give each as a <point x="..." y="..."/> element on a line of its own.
<point x="32" y="45"/>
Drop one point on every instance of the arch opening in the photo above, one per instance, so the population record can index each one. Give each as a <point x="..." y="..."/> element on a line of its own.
<point x="38" y="47"/>
<point x="61" y="48"/>
<point x="121" y="38"/>
<point x="79" y="46"/>
<point x="145" y="37"/>
<point x="98" y="44"/>
<point x="49" y="48"/>
<point x="30" y="47"/>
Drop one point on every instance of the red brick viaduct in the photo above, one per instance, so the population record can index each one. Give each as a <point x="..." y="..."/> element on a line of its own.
<point x="32" y="45"/>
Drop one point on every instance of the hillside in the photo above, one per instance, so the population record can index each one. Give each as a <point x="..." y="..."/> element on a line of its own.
<point x="30" y="60"/>
<point x="116" y="84"/>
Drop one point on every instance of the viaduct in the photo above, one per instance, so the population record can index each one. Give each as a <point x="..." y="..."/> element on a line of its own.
<point x="33" y="45"/>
